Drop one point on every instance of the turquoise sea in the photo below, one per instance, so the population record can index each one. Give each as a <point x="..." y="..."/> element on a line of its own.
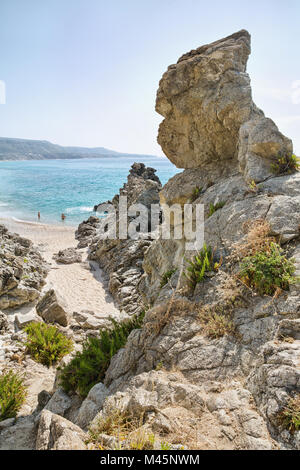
<point x="71" y="187"/>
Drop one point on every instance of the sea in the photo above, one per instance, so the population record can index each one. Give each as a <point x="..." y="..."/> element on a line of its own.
<point x="71" y="187"/>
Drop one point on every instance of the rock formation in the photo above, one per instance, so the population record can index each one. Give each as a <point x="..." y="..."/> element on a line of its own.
<point x="68" y="256"/>
<point x="122" y="259"/>
<point x="230" y="388"/>
<point x="210" y="120"/>
<point x="22" y="270"/>
<point x="213" y="366"/>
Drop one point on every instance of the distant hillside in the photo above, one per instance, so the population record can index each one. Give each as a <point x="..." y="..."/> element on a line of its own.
<point x="23" y="149"/>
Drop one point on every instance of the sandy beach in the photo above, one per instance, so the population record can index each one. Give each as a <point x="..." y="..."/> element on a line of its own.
<point x="82" y="285"/>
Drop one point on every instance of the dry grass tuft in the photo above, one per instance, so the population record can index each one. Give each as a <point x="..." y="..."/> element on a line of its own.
<point x="258" y="239"/>
<point x="289" y="417"/>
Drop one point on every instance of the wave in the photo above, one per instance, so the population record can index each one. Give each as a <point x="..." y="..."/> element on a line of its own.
<point x="71" y="210"/>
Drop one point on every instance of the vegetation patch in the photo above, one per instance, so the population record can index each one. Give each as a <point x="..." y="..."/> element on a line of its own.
<point x="289" y="417"/>
<point x="196" y="193"/>
<point x="166" y="277"/>
<point x="214" y="207"/>
<point x="199" y="265"/>
<point x="215" y="325"/>
<point x="128" y="430"/>
<point x="268" y="271"/>
<point x="88" y="367"/>
<point x="258" y="238"/>
<point x="12" y="394"/>
<point x="46" y="344"/>
<point x="285" y="164"/>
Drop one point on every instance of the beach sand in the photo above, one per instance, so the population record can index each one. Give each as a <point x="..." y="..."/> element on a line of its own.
<point x="83" y="286"/>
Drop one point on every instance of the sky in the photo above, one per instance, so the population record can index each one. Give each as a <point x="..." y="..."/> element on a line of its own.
<point x="85" y="72"/>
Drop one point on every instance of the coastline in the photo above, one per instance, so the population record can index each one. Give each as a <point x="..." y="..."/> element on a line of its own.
<point x="83" y="285"/>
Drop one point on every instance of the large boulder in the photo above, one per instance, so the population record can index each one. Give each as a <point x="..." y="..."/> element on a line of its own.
<point x="57" y="433"/>
<point x="68" y="256"/>
<point x="52" y="309"/>
<point x="91" y="405"/>
<point x="210" y="116"/>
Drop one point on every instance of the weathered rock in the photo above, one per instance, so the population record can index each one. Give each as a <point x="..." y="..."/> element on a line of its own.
<point x="19" y="436"/>
<point x="86" y="231"/>
<point x="4" y="325"/>
<point x="52" y="309"/>
<point x="22" y="270"/>
<point x="59" y="403"/>
<point x="122" y="259"/>
<point x="91" y="405"/>
<point x="23" y="320"/>
<point x="57" y="433"/>
<point x="210" y="117"/>
<point x="6" y="423"/>
<point x="68" y="256"/>
<point x="89" y="321"/>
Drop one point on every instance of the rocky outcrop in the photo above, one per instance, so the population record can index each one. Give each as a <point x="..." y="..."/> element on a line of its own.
<point x="122" y="259"/>
<point x="231" y="386"/>
<point x="214" y="365"/>
<point x="86" y="231"/>
<point x="22" y="270"/>
<point x="210" y="118"/>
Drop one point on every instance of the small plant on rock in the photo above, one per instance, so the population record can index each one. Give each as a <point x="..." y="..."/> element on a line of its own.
<point x="290" y="416"/>
<point x="46" y="344"/>
<point x="286" y="163"/>
<point x="166" y="276"/>
<point x="12" y="394"/>
<point x="268" y="271"/>
<point x="214" y="207"/>
<point x="88" y="367"/>
<point x="199" y="265"/>
<point x="196" y="193"/>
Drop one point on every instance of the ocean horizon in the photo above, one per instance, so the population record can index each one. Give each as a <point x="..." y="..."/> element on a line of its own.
<point x="67" y="186"/>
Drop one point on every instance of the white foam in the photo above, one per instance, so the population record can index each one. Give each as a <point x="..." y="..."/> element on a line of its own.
<point x="71" y="210"/>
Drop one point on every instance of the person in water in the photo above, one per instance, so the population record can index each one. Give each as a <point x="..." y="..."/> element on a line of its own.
<point x="63" y="216"/>
<point x="39" y="215"/>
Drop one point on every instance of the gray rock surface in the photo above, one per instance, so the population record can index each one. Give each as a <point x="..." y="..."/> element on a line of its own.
<point x="22" y="270"/>
<point x="210" y="117"/>
<point x="68" y="256"/>
<point x="122" y="259"/>
<point x="52" y="309"/>
<point x="57" y="433"/>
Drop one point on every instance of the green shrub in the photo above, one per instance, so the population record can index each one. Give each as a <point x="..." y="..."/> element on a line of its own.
<point x="290" y="416"/>
<point x="268" y="271"/>
<point x="46" y="344"/>
<point x="285" y="164"/>
<point x="199" y="265"/>
<point x="12" y="394"/>
<point x="89" y="366"/>
<point x="166" y="276"/>
<point x="214" y="207"/>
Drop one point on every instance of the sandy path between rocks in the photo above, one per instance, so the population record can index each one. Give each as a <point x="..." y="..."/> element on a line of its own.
<point x="82" y="285"/>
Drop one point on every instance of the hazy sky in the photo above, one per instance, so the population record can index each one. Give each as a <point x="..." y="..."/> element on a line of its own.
<point x="85" y="72"/>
